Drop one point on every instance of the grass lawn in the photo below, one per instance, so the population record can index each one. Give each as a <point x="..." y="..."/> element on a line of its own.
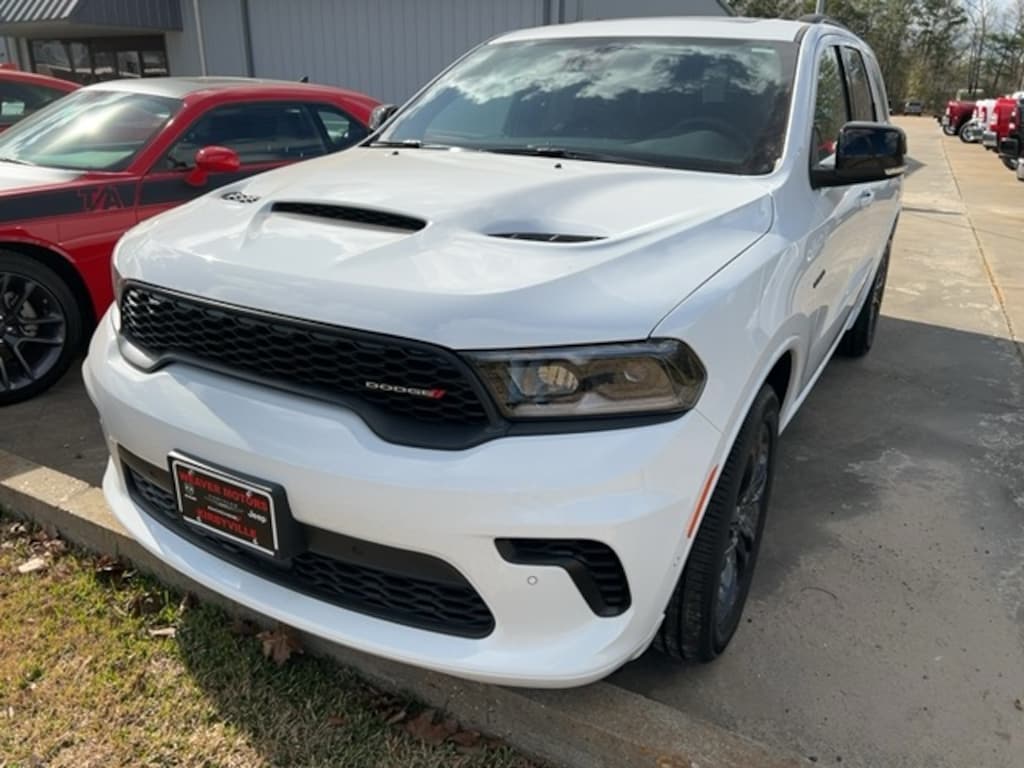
<point x="102" y="667"/>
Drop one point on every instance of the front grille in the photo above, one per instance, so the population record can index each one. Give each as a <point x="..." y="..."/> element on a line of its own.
<point x="365" y="216"/>
<point x="324" y="361"/>
<point x="403" y="587"/>
<point x="594" y="568"/>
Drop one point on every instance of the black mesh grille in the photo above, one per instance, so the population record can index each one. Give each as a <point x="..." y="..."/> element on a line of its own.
<point x="448" y="604"/>
<point x="594" y="568"/>
<point x="365" y="216"/>
<point x="325" y="361"/>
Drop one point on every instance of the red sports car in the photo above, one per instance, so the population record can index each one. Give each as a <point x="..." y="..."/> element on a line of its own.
<point x="77" y="174"/>
<point x="22" y="93"/>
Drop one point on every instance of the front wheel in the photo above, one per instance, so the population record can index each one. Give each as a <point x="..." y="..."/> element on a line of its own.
<point x="965" y="134"/>
<point x="706" y="606"/>
<point x="949" y="130"/>
<point x="1011" y="163"/>
<point x="41" y="327"/>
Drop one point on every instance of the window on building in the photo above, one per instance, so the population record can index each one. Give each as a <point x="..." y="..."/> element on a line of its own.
<point x="97" y="59"/>
<point x="266" y="132"/>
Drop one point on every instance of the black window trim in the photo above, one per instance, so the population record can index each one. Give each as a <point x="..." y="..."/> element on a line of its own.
<point x="854" y="50"/>
<point x="834" y="47"/>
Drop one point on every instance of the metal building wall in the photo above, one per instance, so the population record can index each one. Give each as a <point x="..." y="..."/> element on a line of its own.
<point x="387" y="48"/>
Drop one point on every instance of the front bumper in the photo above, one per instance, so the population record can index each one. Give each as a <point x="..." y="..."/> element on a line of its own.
<point x="631" y="489"/>
<point x="989" y="139"/>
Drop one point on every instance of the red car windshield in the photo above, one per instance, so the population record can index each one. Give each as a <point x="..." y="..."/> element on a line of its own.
<point x="89" y="130"/>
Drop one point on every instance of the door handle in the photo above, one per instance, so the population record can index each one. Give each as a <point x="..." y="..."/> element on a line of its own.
<point x="866" y="198"/>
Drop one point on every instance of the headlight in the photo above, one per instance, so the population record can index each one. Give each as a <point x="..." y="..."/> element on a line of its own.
<point x="650" y="377"/>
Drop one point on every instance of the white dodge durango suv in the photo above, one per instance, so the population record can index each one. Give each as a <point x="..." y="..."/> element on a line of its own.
<point x="499" y="391"/>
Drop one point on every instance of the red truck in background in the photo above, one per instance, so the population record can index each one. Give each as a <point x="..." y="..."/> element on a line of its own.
<point x="957" y="116"/>
<point x="998" y="126"/>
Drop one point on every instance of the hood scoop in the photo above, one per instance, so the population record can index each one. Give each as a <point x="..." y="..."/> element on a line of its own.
<point x="367" y="217"/>
<point x="548" y="237"/>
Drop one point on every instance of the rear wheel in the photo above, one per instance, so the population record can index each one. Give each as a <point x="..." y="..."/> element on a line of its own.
<point x="858" y="340"/>
<point x="1011" y="163"/>
<point x="40" y="327"/>
<point x="949" y="130"/>
<point x="964" y="133"/>
<point x="706" y="606"/>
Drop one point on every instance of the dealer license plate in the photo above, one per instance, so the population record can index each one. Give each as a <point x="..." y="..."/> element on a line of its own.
<point x="239" y="509"/>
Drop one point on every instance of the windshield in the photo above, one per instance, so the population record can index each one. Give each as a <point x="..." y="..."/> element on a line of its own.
<point x="88" y="130"/>
<point x="698" y="104"/>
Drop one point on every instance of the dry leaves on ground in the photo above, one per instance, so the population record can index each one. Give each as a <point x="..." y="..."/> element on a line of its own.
<point x="430" y="729"/>
<point x="33" y="564"/>
<point x="109" y="569"/>
<point x="243" y="628"/>
<point x="433" y="729"/>
<point x="280" y="643"/>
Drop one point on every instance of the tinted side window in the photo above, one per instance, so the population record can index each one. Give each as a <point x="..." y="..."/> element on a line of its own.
<point x="18" y="100"/>
<point x="341" y="130"/>
<point x="830" y="109"/>
<point x="860" y="87"/>
<point x="268" y="132"/>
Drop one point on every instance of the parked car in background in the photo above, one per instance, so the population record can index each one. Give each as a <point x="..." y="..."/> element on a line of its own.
<point x="23" y="93"/>
<point x="999" y="122"/>
<point x="957" y="116"/>
<point x="913" y="107"/>
<point x="499" y="391"/>
<point x="1011" y="146"/>
<point x="978" y="124"/>
<point x="78" y="173"/>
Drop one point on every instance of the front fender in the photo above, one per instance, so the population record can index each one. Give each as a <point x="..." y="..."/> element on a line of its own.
<point x="740" y="323"/>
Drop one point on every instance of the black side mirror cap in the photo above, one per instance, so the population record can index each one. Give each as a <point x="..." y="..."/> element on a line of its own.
<point x="864" y="152"/>
<point x="380" y="115"/>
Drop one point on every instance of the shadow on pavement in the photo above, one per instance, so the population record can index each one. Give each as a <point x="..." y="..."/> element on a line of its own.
<point x="895" y="533"/>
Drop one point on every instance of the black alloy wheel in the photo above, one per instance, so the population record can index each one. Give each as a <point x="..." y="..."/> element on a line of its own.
<point x="40" y="328"/>
<point x="705" y="609"/>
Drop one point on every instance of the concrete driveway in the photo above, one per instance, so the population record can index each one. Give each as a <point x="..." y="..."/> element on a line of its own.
<point x="886" y="624"/>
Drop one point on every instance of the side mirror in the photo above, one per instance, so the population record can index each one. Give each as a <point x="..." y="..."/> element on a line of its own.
<point x="380" y="115"/>
<point x="209" y="160"/>
<point x="864" y="152"/>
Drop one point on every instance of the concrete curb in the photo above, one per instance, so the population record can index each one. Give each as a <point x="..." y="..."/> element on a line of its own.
<point x="599" y="726"/>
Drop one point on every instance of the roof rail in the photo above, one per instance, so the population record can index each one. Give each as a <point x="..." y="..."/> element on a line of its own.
<point x="820" y="18"/>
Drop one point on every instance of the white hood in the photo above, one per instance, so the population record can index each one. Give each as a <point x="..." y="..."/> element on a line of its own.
<point x="664" y="232"/>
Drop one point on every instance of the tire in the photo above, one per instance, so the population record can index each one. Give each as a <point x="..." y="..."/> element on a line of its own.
<point x="857" y="341"/>
<point x="45" y="333"/>
<point x="700" y="619"/>
<point x="949" y="130"/>
<point x="962" y="133"/>
<point x="1011" y="163"/>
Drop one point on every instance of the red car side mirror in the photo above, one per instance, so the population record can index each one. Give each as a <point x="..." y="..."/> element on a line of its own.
<point x="209" y="160"/>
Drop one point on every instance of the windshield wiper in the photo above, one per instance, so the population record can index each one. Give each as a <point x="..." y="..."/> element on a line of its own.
<point x="15" y="160"/>
<point x="570" y="154"/>
<point x="409" y="144"/>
